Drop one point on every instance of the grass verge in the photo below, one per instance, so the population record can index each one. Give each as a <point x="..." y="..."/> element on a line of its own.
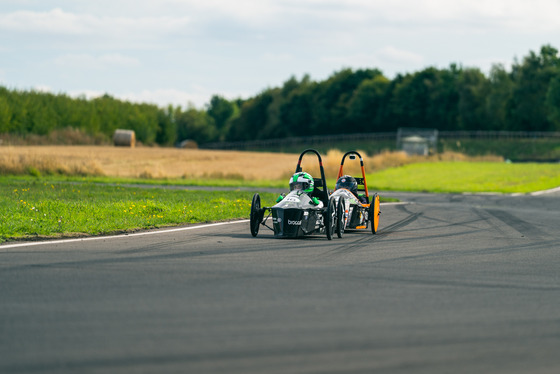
<point x="208" y="182"/>
<point x="36" y="209"/>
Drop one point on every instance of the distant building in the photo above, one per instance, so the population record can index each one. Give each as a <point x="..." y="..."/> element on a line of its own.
<point x="416" y="145"/>
<point x="417" y="141"/>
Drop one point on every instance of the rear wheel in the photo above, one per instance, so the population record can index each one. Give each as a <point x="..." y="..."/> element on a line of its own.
<point x="374" y="213"/>
<point x="341" y="207"/>
<point x="330" y="219"/>
<point x="255" y="220"/>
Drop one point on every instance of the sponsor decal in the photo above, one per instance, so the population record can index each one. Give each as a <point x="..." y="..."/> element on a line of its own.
<point x="294" y="223"/>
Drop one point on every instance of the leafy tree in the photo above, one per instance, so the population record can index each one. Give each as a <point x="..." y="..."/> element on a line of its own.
<point x="473" y="88"/>
<point x="221" y="110"/>
<point x="18" y="102"/>
<point x="499" y="95"/>
<point x="443" y="111"/>
<point x="527" y="108"/>
<point x="332" y="97"/>
<point x="195" y="125"/>
<point x="252" y="118"/>
<point x="42" y="117"/>
<point x="5" y="111"/>
<point x="527" y="98"/>
<point x="167" y="127"/>
<point x="109" y="113"/>
<point x="273" y="128"/>
<point x="294" y="107"/>
<point x="296" y="114"/>
<point x="412" y="98"/>
<point x="553" y="103"/>
<point x="366" y="104"/>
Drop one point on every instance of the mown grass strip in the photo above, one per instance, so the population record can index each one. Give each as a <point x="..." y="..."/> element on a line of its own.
<point x="39" y="208"/>
<point x="208" y="182"/>
<point x="457" y="177"/>
<point x="453" y="176"/>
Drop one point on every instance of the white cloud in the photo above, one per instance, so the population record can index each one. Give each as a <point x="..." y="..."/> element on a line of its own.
<point x="87" y="61"/>
<point x="55" y="21"/>
<point x="159" y="97"/>
<point x="519" y="16"/>
<point x="395" y="55"/>
<point x="456" y="9"/>
<point x="60" y="22"/>
<point x="249" y="12"/>
<point x="158" y="51"/>
<point x="42" y="88"/>
<point x="164" y="97"/>
<point x="169" y="16"/>
<point x="276" y="57"/>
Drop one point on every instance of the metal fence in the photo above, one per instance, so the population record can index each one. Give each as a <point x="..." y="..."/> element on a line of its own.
<point x="499" y="134"/>
<point x="377" y="136"/>
<point x="295" y="141"/>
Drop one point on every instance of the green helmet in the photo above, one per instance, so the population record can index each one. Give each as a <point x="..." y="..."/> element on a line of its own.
<point x="302" y="181"/>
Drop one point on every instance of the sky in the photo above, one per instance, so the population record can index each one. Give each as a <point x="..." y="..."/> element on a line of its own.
<point x="182" y="52"/>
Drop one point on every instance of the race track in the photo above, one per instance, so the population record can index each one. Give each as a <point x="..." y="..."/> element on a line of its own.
<point x="450" y="284"/>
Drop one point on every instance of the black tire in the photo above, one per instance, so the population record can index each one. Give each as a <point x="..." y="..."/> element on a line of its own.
<point x="341" y="207"/>
<point x="374" y="213"/>
<point x="330" y="219"/>
<point x="255" y="220"/>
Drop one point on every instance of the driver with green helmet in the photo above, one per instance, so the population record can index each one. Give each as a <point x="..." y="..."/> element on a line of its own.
<point x="302" y="181"/>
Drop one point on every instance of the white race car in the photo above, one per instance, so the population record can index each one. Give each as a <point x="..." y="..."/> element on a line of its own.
<point x="360" y="210"/>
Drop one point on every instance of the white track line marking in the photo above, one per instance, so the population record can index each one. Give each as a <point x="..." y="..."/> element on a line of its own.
<point x="557" y="189"/>
<point x="121" y="236"/>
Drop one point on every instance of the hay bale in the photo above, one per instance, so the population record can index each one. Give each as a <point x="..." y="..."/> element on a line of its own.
<point x="188" y="144"/>
<point x="124" y="138"/>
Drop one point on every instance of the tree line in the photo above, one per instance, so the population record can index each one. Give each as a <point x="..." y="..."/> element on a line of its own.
<point x="523" y="98"/>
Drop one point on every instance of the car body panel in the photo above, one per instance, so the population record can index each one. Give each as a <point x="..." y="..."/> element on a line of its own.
<point x="356" y="213"/>
<point x="296" y="215"/>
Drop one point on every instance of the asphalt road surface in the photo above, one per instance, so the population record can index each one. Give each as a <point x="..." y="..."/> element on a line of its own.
<point x="450" y="284"/>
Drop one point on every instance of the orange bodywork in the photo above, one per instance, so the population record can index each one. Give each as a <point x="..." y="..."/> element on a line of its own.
<point x="341" y="173"/>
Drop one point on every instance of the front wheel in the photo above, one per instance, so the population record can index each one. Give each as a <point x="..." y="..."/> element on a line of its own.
<point x="330" y="219"/>
<point x="374" y="213"/>
<point x="340" y="221"/>
<point x="255" y="214"/>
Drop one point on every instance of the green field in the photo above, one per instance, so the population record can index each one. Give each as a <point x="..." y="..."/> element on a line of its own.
<point x="525" y="149"/>
<point x="32" y="208"/>
<point x="456" y="177"/>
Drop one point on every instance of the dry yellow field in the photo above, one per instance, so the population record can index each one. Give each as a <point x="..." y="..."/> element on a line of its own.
<point x="143" y="162"/>
<point x="147" y="162"/>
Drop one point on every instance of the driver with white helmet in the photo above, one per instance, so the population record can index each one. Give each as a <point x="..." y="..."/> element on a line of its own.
<point x="348" y="182"/>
